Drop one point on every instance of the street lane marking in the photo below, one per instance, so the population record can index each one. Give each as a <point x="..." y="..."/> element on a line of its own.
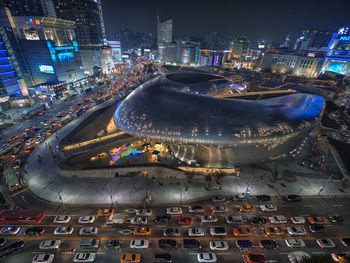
<point x="308" y="205"/>
<point x="337" y="205"/>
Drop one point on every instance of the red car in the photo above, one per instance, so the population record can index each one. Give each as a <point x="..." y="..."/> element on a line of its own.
<point x="185" y="221"/>
<point x="256" y="258"/>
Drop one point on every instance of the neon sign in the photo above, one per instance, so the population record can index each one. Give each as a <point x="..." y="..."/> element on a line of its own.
<point x="346" y="38"/>
<point x="33" y="21"/>
<point x="47" y="69"/>
<point x="124" y="152"/>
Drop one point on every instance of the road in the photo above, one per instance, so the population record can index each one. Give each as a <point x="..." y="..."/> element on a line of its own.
<point x="311" y="206"/>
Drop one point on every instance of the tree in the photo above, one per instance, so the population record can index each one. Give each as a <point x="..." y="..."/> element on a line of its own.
<point x="323" y="258"/>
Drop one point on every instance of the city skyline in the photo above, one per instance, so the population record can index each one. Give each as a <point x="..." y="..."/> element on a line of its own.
<point x="258" y="20"/>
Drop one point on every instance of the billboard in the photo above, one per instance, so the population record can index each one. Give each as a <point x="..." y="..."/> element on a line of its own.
<point x="31" y="33"/>
<point x="48" y="69"/>
<point x="336" y="67"/>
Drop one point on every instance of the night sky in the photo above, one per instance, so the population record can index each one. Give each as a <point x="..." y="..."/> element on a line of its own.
<point x="264" y="19"/>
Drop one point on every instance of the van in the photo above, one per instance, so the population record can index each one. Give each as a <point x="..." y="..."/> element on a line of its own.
<point x="88" y="243"/>
<point x="191" y="244"/>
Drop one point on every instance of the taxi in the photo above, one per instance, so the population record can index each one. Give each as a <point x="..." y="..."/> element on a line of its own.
<point x="319" y="220"/>
<point x="274" y="230"/>
<point x="130" y="257"/>
<point x="105" y="212"/>
<point x="142" y="231"/>
<point x="246" y="208"/>
<point x="242" y="231"/>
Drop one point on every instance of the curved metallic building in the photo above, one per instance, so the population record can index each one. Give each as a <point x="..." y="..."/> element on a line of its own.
<point x="216" y="132"/>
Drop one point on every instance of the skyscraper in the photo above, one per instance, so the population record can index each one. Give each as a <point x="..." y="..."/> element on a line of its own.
<point x="89" y="28"/>
<point x="313" y="39"/>
<point x="23" y="7"/>
<point x="164" y="31"/>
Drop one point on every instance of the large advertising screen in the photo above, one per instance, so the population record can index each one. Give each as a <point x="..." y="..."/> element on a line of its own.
<point x="336" y="66"/>
<point x="31" y="34"/>
<point x="48" y="69"/>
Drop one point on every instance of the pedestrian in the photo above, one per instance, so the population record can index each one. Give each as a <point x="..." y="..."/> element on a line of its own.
<point x="57" y="137"/>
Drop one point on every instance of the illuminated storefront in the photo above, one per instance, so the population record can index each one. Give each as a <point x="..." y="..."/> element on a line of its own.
<point x="338" y="53"/>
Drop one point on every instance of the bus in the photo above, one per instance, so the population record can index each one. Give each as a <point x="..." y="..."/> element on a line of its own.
<point x="12" y="180"/>
<point x="21" y="216"/>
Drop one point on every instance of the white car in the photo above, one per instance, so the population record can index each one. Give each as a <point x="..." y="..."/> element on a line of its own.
<point x="196" y="232"/>
<point x="218" y="245"/>
<point x="84" y="257"/>
<point x="139" y="243"/>
<point x="219" y="209"/>
<point x="174" y="211"/>
<point x="9" y="230"/>
<point x="144" y="212"/>
<point x="278" y="219"/>
<point x="325" y="243"/>
<point x="296" y="230"/>
<point x="297" y="220"/>
<point x="297" y="256"/>
<point x="233" y="219"/>
<point x="268" y="208"/>
<point x="50" y="244"/>
<point x="61" y="219"/>
<point x="64" y="230"/>
<point x="218" y="231"/>
<point x="43" y="258"/>
<point x="138" y="220"/>
<point x="209" y="219"/>
<point x="195" y="209"/>
<point x="206" y="257"/>
<point x="218" y="198"/>
<point x="295" y="243"/>
<point x="86" y="219"/>
<point x="91" y="230"/>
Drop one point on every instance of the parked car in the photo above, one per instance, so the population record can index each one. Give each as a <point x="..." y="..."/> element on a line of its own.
<point x="218" y="231"/>
<point x="91" y="230"/>
<point x="84" y="257"/>
<point x="195" y="209"/>
<point x="296" y="230"/>
<point x="174" y="211"/>
<point x="295" y="243"/>
<point x="244" y="243"/>
<point x="66" y="230"/>
<point x="163" y="219"/>
<point x="43" y="258"/>
<point x="163" y="258"/>
<point x="61" y="219"/>
<point x="196" y="232"/>
<point x="139" y="243"/>
<point x="292" y="198"/>
<point x="218" y="198"/>
<point x="218" y="245"/>
<point x="206" y="257"/>
<point x="256" y="258"/>
<point x="167" y="244"/>
<point x="86" y="219"/>
<point x="144" y="212"/>
<point x="209" y="219"/>
<point x="268" y="208"/>
<point x="268" y="244"/>
<point x="112" y="244"/>
<point x="9" y="230"/>
<point x="171" y="232"/>
<point x="263" y="198"/>
<point x="325" y="243"/>
<point x="50" y="244"/>
<point x="138" y="220"/>
<point x="34" y="231"/>
<point x="298" y="220"/>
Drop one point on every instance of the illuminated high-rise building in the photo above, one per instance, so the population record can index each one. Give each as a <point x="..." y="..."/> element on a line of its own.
<point x="164" y="31"/>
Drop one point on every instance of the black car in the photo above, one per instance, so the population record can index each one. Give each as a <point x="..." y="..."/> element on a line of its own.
<point x="112" y="244"/>
<point x="34" y="231"/>
<point x="336" y="219"/>
<point x="317" y="228"/>
<point x="257" y="220"/>
<point x="2" y="241"/>
<point x="167" y="244"/>
<point x="171" y="232"/>
<point x="11" y="248"/>
<point x="268" y="244"/>
<point x="163" y="258"/>
<point x="163" y="219"/>
<point x="292" y="198"/>
<point x="191" y="244"/>
<point x="263" y="198"/>
<point x="345" y="242"/>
